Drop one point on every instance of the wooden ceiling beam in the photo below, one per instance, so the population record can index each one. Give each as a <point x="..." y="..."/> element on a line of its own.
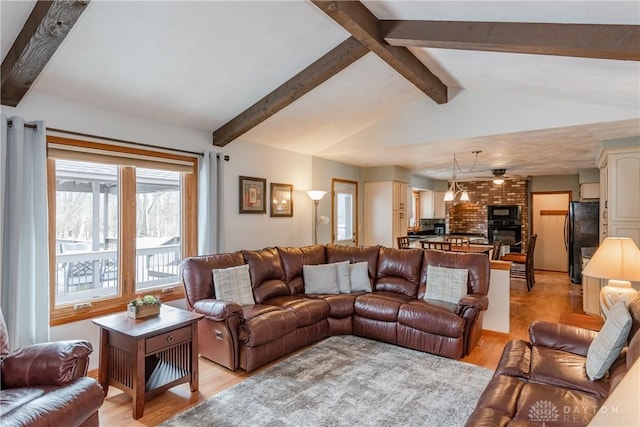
<point x="363" y="25"/>
<point x="43" y="32"/>
<point x="621" y="42"/>
<point x="336" y="60"/>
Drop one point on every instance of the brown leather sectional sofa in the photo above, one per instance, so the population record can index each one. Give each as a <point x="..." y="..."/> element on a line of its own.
<point x="544" y="380"/>
<point x="285" y="319"/>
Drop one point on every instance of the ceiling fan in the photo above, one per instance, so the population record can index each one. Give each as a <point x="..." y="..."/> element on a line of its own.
<point x="498" y="176"/>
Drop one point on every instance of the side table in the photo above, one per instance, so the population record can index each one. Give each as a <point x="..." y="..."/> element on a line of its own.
<point x="144" y="357"/>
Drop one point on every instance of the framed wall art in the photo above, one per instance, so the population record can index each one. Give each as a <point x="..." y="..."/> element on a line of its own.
<point x="281" y="199"/>
<point x="252" y="195"/>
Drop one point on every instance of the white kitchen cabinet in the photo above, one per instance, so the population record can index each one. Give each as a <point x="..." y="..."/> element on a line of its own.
<point x="426" y="204"/>
<point x="620" y="215"/>
<point x="439" y="206"/>
<point x="590" y="191"/>
<point x="385" y="213"/>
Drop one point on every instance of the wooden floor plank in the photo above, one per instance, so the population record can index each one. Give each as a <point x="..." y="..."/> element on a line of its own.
<point x="553" y="294"/>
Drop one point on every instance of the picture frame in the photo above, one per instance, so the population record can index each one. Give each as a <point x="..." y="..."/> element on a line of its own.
<point x="252" y="195"/>
<point x="281" y="196"/>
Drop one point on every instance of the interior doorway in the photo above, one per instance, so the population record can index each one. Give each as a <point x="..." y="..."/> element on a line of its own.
<point x="344" y="212"/>
<point x="549" y="211"/>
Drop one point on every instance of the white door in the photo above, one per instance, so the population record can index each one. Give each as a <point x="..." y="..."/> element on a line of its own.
<point x="549" y="213"/>
<point x="345" y="212"/>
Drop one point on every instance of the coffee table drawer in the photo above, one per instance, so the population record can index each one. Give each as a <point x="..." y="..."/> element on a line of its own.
<point x="168" y="339"/>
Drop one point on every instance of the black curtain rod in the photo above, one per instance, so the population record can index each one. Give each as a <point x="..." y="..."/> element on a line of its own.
<point x="123" y="141"/>
<point x="27" y="125"/>
<point x="88" y="135"/>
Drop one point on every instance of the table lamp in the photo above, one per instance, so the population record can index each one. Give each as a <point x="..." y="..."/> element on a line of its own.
<point x="617" y="259"/>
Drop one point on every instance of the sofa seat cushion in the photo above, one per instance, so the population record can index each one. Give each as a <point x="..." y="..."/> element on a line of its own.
<point x="382" y="306"/>
<point x="432" y="318"/>
<point x="70" y="405"/>
<point x="536" y="403"/>
<point x="307" y="310"/>
<point x="265" y="323"/>
<point x="341" y="305"/>
<point x="14" y="398"/>
<point x="564" y="369"/>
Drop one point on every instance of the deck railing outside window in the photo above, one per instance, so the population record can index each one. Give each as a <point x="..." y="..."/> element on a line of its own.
<point x="86" y="275"/>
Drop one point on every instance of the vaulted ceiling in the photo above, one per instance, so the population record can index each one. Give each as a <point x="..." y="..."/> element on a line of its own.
<point x="369" y="84"/>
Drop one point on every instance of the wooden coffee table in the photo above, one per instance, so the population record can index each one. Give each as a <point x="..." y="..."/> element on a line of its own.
<point x="144" y="357"/>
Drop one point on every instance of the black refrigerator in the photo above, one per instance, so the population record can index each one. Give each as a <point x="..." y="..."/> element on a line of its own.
<point x="581" y="231"/>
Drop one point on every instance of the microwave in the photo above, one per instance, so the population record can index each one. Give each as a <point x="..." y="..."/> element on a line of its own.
<point x="504" y="212"/>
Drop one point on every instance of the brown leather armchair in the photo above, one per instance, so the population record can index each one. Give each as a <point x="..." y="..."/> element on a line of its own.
<point x="46" y="384"/>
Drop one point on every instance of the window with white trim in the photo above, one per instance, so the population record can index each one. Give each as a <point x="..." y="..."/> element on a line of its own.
<point x="121" y="221"/>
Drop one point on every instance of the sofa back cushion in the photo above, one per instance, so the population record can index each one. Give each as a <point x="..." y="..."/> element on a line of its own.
<point x="354" y="254"/>
<point x="477" y="264"/>
<point x="197" y="277"/>
<point x="292" y="261"/>
<point x="267" y="274"/>
<point x="399" y="270"/>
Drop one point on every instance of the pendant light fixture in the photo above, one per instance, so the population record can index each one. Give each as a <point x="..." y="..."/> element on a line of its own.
<point x="455" y="187"/>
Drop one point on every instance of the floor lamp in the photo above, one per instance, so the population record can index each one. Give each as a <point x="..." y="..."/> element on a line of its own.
<point x="316" y="195"/>
<point x="617" y="259"/>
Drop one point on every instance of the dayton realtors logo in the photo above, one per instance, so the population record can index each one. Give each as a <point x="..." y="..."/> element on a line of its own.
<point x="543" y="411"/>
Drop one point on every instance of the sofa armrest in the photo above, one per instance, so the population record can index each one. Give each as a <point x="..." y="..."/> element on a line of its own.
<point x="561" y="337"/>
<point x="52" y="363"/>
<point x="218" y="309"/>
<point x="515" y="360"/>
<point x="480" y="302"/>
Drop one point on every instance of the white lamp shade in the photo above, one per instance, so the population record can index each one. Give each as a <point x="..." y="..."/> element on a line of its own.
<point x="316" y="195"/>
<point x="464" y="196"/>
<point x="449" y="196"/>
<point x="617" y="258"/>
<point x="498" y="181"/>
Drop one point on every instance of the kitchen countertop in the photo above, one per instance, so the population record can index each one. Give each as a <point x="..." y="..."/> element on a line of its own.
<point x="473" y="239"/>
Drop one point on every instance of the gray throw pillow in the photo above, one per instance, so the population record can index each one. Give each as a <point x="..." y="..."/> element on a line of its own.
<point x="320" y="279"/>
<point x="446" y="284"/>
<point x="344" y="277"/>
<point x="606" y="346"/>
<point x="233" y="284"/>
<point x="360" y="277"/>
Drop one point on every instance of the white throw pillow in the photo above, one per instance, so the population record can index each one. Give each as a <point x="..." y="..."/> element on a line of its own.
<point x="446" y="284"/>
<point x="606" y="346"/>
<point x="360" y="277"/>
<point x="320" y="279"/>
<point x="344" y="277"/>
<point x="233" y="284"/>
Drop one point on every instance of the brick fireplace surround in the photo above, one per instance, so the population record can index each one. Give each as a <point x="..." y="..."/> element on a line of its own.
<point x="471" y="217"/>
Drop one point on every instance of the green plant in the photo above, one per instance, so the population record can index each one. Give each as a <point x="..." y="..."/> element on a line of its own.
<point x="145" y="300"/>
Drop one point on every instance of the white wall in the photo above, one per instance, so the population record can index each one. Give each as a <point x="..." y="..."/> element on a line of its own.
<point x="62" y="113"/>
<point x="256" y="231"/>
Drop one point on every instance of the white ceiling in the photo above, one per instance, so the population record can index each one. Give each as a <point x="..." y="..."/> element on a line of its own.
<point x="199" y="64"/>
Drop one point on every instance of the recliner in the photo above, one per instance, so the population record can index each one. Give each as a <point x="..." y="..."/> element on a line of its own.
<point x="46" y="384"/>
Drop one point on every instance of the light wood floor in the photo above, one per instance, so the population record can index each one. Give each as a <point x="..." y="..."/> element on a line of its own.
<point x="553" y="294"/>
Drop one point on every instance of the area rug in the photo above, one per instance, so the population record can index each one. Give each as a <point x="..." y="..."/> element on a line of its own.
<point x="347" y="381"/>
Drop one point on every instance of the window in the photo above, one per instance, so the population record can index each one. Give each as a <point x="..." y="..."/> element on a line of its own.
<point x="121" y="221"/>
